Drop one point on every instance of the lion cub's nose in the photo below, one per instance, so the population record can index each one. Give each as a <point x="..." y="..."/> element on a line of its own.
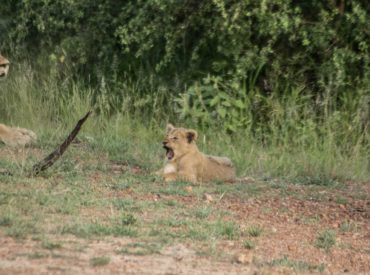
<point x="165" y="143"/>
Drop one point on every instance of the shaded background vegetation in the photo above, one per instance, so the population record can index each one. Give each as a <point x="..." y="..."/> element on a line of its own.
<point x="319" y="44"/>
<point x="291" y="74"/>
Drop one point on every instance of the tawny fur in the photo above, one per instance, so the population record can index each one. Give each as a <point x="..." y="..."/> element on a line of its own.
<point x="4" y="67"/>
<point x="13" y="136"/>
<point x="186" y="162"/>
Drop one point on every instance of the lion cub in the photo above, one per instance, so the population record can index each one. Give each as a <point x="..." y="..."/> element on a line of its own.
<point x="13" y="136"/>
<point x="186" y="162"/>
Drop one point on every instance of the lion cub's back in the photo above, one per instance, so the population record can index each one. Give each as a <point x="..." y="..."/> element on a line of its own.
<point x="218" y="168"/>
<point x="221" y="160"/>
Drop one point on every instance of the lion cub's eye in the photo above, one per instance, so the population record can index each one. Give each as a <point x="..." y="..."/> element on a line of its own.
<point x="175" y="138"/>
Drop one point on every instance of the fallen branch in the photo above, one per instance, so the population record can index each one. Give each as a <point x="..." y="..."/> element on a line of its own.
<point x="57" y="153"/>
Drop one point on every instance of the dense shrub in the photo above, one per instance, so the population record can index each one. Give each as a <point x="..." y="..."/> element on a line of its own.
<point x="314" y="43"/>
<point x="250" y="47"/>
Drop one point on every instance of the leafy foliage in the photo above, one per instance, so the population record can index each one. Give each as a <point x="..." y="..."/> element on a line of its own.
<point x="236" y="62"/>
<point x="311" y="43"/>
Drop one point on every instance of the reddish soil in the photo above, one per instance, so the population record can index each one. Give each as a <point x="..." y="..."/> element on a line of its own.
<point x="287" y="231"/>
<point x="290" y="228"/>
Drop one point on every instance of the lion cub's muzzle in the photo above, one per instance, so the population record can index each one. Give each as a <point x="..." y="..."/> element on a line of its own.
<point x="3" y="71"/>
<point x="169" y="151"/>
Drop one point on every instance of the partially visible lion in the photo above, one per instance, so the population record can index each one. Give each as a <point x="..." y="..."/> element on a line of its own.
<point x="4" y="67"/>
<point x="13" y="136"/>
<point x="186" y="162"/>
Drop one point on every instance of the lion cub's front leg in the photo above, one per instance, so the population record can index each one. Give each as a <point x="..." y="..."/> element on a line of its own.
<point x="169" y="172"/>
<point x="188" y="175"/>
<point x="13" y="136"/>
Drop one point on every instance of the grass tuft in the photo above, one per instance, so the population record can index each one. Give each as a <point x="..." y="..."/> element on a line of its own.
<point x="326" y="240"/>
<point x="50" y="245"/>
<point x="254" y="231"/>
<point x="248" y="244"/>
<point x="140" y="248"/>
<point x="298" y="266"/>
<point x="99" y="261"/>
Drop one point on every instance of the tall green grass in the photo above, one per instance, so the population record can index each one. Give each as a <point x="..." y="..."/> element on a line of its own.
<point x="130" y="117"/>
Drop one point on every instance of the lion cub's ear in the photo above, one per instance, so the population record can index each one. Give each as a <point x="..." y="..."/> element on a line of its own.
<point x="169" y="128"/>
<point x="191" y="135"/>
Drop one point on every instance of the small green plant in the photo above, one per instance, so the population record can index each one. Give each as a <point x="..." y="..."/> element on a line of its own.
<point x="254" y="231"/>
<point x="213" y="100"/>
<point x="347" y="226"/>
<point x="198" y="234"/>
<point x="50" y="245"/>
<point x="6" y="221"/>
<point x="326" y="239"/>
<point x="228" y="229"/>
<point x="100" y="261"/>
<point x="128" y="219"/>
<point x="248" y="244"/>
<point x="203" y="212"/>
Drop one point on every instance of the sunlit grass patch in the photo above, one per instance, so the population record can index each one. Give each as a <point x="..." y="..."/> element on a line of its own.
<point x="127" y="204"/>
<point x="230" y="230"/>
<point x="95" y="229"/>
<point x="173" y="188"/>
<point x="348" y="226"/>
<point x="316" y="180"/>
<point x="6" y="220"/>
<point x="50" y="245"/>
<point x="127" y="219"/>
<point x="325" y="239"/>
<point x="100" y="261"/>
<point x="254" y="231"/>
<point x="20" y="229"/>
<point x="249" y="244"/>
<point x="298" y="266"/>
<point x="203" y="212"/>
<point x="218" y="230"/>
<point x="141" y="248"/>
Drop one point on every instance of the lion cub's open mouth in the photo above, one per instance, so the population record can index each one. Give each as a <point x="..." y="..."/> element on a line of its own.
<point x="169" y="153"/>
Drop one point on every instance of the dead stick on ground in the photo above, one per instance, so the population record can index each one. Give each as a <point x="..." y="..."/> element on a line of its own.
<point x="57" y="153"/>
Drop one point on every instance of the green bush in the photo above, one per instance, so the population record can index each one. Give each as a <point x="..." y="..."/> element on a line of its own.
<point x="316" y="44"/>
<point x="291" y="76"/>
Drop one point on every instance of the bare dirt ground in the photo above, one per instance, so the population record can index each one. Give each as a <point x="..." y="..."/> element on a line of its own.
<point x="290" y="227"/>
<point x="289" y="237"/>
